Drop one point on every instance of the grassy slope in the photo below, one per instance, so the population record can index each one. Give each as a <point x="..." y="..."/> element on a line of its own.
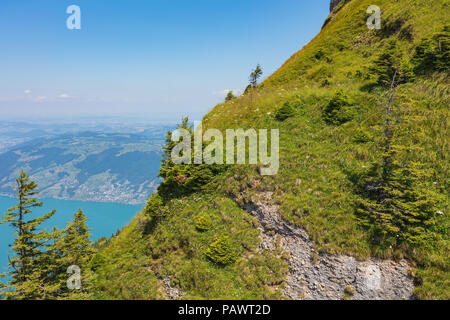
<point x="134" y="262"/>
<point x="317" y="164"/>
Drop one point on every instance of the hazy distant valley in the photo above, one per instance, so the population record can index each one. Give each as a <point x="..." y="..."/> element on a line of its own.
<point x="114" y="162"/>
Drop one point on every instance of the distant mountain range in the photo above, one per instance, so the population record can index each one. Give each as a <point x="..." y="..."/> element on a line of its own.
<point x="94" y="166"/>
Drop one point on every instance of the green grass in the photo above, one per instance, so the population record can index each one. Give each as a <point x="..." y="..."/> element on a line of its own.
<point x="319" y="166"/>
<point x="144" y="254"/>
<point x="318" y="162"/>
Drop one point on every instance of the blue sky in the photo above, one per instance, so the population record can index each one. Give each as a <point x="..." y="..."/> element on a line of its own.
<point x="136" y="57"/>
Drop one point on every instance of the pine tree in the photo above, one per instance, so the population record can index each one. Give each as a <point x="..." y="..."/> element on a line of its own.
<point x="397" y="203"/>
<point x="443" y="50"/>
<point x="230" y="96"/>
<point x="77" y="240"/>
<point x="29" y="267"/>
<point x="433" y="54"/>
<point x="182" y="179"/>
<point x="390" y="62"/>
<point x="255" y="75"/>
<point x="167" y="163"/>
<point x="174" y="175"/>
<point x="38" y="269"/>
<point x="424" y="59"/>
<point x="74" y="248"/>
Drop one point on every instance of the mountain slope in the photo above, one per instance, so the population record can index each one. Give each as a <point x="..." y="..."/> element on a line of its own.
<point x="316" y="188"/>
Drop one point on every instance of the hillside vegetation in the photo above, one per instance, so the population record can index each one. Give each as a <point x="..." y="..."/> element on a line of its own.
<point x="329" y="103"/>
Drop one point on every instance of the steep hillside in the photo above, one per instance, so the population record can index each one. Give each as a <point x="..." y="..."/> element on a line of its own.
<point x="318" y="236"/>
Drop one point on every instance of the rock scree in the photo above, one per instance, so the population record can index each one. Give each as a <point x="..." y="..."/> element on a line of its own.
<point x="320" y="276"/>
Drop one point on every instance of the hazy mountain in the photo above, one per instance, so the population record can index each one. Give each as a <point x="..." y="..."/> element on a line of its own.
<point x="87" y="166"/>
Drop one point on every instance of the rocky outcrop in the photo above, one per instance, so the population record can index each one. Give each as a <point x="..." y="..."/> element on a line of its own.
<point x="333" y="4"/>
<point x="172" y="293"/>
<point x="332" y="15"/>
<point x="314" y="275"/>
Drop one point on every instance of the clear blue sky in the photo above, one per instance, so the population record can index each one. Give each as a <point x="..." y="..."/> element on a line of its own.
<point x="143" y="57"/>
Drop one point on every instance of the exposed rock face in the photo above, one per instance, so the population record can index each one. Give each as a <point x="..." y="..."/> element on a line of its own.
<point x="333" y="4"/>
<point x="171" y="292"/>
<point x="325" y="276"/>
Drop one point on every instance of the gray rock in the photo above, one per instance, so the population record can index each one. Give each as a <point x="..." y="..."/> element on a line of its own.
<point x="327" y="275"/>
<point x="333" y="4"/>
<point x="171" y="292"/>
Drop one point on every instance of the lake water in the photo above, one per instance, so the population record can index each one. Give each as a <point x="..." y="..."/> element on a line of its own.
<point x="104" y="219"/>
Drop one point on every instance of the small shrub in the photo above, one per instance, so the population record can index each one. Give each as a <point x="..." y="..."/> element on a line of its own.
<point x="391" y="27"/>
<point x="339" y="110"/>
<point x="203" y="222"/>
<point x="221" y="251"/>
<point x="320" y="55"/>
<point x="315" y="258"/>
<point x="407" y="33"/>
<point x="349" y="292"/>
<point x="325" y="83"/>
<point x="155" y="206"/>
<point x="230" y="96"/>
<point x="284" y="112"/>
<point x="392" y="61"/>
<point x="433" y="55"/>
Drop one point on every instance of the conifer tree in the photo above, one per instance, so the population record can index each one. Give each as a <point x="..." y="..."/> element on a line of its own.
<point x="390" y="62"/>
<point x="38" y="269"/>
<point x="433" y="54"/>
<point x="255" y="75"/>
<point x="230" y="96"/>
<point x="247" y="89"/>
<point x="443" y="50"/>
<point x="398" y="205"/>
<point x="173" y="175"/>
<point x="29" y="267"/>
<point x="182" y="179"/>
<point x="167" y="163"/>
<point x="74" y="248"/>
<point x="77" y="243"/>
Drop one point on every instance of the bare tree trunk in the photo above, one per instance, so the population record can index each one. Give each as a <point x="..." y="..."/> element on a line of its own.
<point x="388" y="124"/>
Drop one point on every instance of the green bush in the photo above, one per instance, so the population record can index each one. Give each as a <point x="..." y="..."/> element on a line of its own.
<point x="325" y="82"/>
<point x="433" y="55"/>
<point x="339" y="110"/>
<point x="284" y="112"/>
<point x="184" y="179"/>
<point x="349" y="290"/>
<point x="390" y="62"/>
<point x="222" y="251"/>
<point x="398" y="205"/>
<point x="155" y="206"/>
<point x="203" y="222"/>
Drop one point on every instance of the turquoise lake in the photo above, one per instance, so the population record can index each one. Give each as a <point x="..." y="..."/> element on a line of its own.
<point x="104" y="219"/>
